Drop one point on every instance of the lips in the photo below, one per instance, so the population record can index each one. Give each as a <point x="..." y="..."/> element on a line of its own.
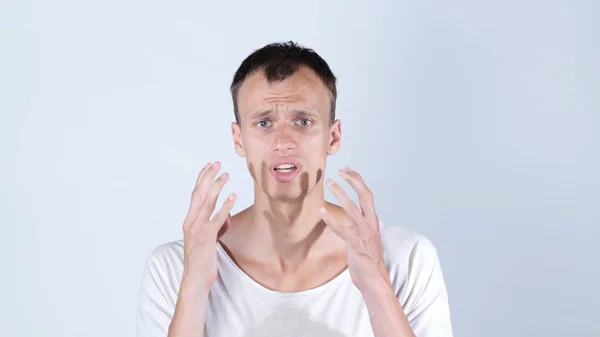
<point x="285" y="164"/>
<point x="285" y="169"/>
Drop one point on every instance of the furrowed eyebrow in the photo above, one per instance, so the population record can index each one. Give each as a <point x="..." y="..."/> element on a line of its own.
<point x="296" y="112"/>
<point x="261" y="114"/>
<point x="304" y="113"/>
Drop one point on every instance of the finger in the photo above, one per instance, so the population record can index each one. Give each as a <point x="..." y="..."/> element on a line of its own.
<point x="205" y="182"/>
<point x="339" y="229"/>
<point x="196" y="198"/>
<point x="202" y="174"/>
<point x="198" y="180"/>
<point x="208" y="205"/>
<point x="197" y="195"/>
<point x="222" y="216"/>
<point x="347" y="204"/>
<point x="365" y="196"/>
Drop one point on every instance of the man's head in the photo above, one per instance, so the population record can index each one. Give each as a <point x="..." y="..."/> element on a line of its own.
<point x="284" y="102"/>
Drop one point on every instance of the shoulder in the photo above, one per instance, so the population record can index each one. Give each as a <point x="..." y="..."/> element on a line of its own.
<point x="167" y="253"/>
<point x="401" y="245"/>
<point x="159" y="289"/>
<point x="411" y="260"/>
<point x="164" y="264"/>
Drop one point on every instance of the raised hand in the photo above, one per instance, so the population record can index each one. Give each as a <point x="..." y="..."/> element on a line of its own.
<point x="361" y="234"/>
<point x="200" y="232"/>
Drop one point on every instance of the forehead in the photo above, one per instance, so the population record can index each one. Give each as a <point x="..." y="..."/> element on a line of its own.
<point x="304" y="90"/>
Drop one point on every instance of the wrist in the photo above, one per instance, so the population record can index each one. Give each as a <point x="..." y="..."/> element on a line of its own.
<point x="194" y="286"/>
<point x="378" y="283"/>
<point x="190" y="309"/>
<point x="376" y="289"/>
<point x="385" y="311"/>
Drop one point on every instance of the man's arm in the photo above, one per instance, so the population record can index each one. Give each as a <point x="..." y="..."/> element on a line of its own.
<point x="425" y="312"/>
<point x="158" y="315"/>
<point x="385" y="312"/>
<point x="190" y="311"/>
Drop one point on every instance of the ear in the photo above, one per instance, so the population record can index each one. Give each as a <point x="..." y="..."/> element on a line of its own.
<point x="236" y="132"/>
<point x="335" y="137"/>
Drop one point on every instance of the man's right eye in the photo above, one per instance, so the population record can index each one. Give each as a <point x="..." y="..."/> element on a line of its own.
<point x="262" y="124"/>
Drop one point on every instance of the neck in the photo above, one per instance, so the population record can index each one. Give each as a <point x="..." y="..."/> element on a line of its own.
<point x="290" y="231"/>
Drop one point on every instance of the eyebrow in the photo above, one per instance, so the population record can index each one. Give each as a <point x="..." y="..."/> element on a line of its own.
<point x="296" y="112"/>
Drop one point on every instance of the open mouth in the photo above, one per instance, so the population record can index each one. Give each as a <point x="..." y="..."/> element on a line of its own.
<point x="285" y="168"/>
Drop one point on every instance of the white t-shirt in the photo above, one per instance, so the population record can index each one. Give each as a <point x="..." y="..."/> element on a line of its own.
<point x="239" y="306"/>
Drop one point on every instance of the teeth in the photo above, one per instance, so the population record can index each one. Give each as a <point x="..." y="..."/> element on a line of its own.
<point x="285" y="167"/>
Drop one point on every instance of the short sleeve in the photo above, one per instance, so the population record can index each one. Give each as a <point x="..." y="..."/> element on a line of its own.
<point x="427" y="307"/>
<point x="156" y="307"/>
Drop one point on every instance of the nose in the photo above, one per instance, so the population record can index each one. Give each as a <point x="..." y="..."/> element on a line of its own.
<point x="284" y="142"/>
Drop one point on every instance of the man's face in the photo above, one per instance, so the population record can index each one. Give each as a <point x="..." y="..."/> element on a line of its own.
<point x="285" y="133"/>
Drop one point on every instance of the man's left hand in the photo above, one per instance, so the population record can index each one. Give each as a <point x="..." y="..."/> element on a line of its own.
<point x="361" y="234"/>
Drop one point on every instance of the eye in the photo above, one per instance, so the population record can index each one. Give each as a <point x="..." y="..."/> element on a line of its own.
<point x="263" y="124"/>
<point x="304" y="122"/>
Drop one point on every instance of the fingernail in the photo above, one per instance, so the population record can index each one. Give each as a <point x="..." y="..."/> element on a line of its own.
<point x="330" y="182"/>
<point x="215" y="164"/>
<point x="231" y="196"/>
<point x="322" y="210"/>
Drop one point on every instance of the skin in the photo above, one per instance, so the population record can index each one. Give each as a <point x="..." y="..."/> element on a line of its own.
<point x="283" y="235"/>
<point x="290" y="239"/>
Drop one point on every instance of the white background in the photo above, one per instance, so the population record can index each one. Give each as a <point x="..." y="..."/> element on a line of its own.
<point x="475" y="123"/>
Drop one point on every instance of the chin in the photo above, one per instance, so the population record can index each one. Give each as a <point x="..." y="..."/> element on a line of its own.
<point x="287" y="196"/>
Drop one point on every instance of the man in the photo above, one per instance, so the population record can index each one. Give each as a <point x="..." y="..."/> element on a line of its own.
<point x="291" y="264"/>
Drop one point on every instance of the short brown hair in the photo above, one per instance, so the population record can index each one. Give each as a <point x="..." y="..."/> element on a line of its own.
<point x="279" y="61"/>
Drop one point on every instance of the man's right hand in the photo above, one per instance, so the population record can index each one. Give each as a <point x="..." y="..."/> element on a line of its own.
<point x="201" y="233"/>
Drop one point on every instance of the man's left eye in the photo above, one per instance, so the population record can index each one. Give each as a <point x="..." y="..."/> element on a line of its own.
<point x="304" y="122"/>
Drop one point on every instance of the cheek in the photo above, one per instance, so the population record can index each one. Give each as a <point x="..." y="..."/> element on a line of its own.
<point x="315" y="137"/>
<point x="252" y="170"/>
<point x="319" y="145"/>
<point x="258" y="170"/>
<point x="254" y="147"/>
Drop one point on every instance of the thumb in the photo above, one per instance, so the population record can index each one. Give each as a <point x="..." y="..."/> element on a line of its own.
<point x="225" y="226"/>
<point x="332" y="223"/>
